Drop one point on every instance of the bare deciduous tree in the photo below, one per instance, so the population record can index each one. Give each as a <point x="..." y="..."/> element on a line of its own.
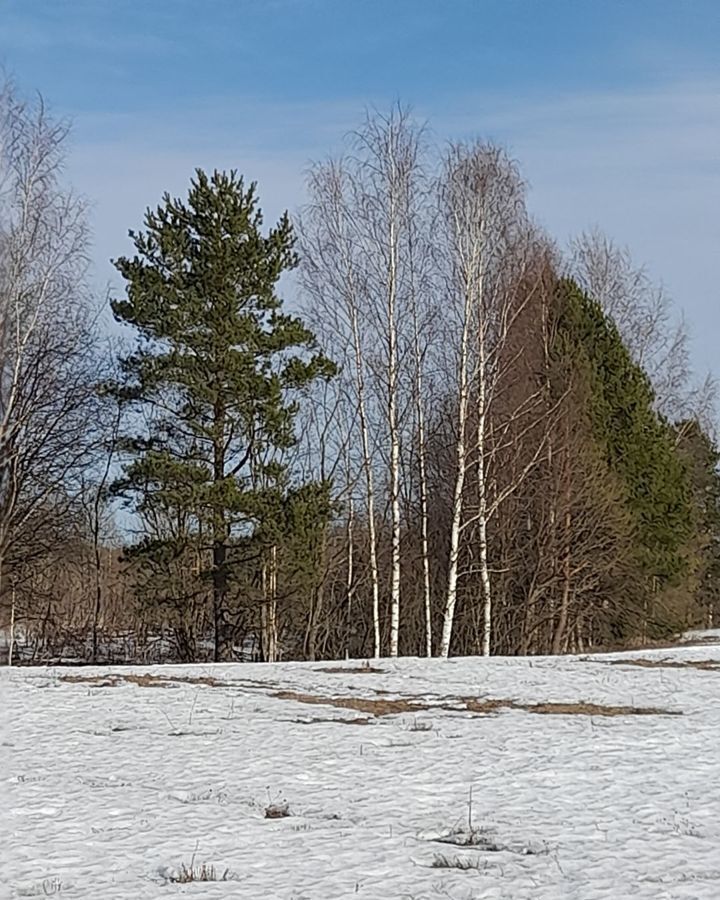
<point x="656" y="336"/>
<point x="359" y="235"/>
<point x="48" y="366"/>
<point x="488" y="245"/>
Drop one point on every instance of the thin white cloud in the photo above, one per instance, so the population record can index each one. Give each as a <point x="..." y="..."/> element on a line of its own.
<point x="643" y="165"/>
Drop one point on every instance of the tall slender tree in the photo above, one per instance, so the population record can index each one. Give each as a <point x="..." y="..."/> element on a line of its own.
<point x="215" y="367"/>
<point x="48" y="338"/>
<point x="359" y="238"/>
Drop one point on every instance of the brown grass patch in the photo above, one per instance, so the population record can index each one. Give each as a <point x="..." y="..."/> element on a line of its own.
<point x="351" y="670"/>
<point x="358" y="720"/>
<point x="92" y="680"/>
<point x="477" y="706"/>
<point x="389" y="706"/>
<point x="361" y="704"/>
<point x="142" y="680"/>
<point x="632" y="646"/>
<point x="595" y="709"/>
<point x="704" y="665"/>
<point x="483" y="705"/>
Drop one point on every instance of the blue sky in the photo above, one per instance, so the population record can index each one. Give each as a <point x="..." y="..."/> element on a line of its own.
<point x="612" y="108"/>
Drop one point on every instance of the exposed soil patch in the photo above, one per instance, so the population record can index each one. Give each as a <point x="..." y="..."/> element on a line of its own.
<point x="478" y="706"/>
<point x="705" y="665"/>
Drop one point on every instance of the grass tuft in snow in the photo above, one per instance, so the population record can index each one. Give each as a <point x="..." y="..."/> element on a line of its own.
<point x="203" y="872"/>
<point x="464" y="863"/>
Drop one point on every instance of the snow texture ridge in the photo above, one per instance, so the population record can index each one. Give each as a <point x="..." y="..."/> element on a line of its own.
<point x="298" y="782"/>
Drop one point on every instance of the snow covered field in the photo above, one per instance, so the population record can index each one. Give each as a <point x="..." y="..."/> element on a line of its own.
<point x="112" y="783"/>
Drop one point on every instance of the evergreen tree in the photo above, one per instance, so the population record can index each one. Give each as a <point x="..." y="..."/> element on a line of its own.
<point x="702" y="458"/>
<point x="637" y="443"/>
<point x="214" y="371"/>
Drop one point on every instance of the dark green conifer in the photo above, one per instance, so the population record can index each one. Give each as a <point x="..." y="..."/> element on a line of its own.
<point x="215" y="366"/>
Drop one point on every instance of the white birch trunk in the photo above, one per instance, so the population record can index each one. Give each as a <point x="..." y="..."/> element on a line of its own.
<point x="349" y="583"/>
<point x="393" y="430"/>
<point x="422" y="466"/>
<point x="11" y="648"/>
<point x="424" y="523"/>
<point x="460" y="471"/>
<point x="369" y="481"/>
<point x="482" y="489"/>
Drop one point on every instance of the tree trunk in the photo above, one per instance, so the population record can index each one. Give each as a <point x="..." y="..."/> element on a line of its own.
<point x="482" y="487"/>
<point x="223" y="650"/>
<point x="350" y="582"/>
<point x="486" y="586"/>
<point x="369" y="481"/>
<point x="223" y="635"/>
<point x="317" y="601"/>
<point x="269" y="607"/>
<point x="394" y="434"/>
<point x="317" y="608"/>
<point x="11" y="646"/>
<point x="562" y="619"/>
<point x="460" y="471"/>
<point x="98" y="599"/>
<point x="422" y="465"/>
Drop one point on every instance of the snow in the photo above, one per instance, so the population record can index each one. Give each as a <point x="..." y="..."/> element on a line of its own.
<point x="108" y="789"/>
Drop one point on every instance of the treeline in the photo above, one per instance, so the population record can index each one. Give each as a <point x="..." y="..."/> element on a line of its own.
<point x="462" y="440"/>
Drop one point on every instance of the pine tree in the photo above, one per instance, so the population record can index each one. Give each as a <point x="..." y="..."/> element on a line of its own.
<point x="214" y="371"/>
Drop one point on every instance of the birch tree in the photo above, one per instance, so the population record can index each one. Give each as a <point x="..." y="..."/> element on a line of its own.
<point x="419" y="386"/>
<point x="357" y="276"/>
<point x="489" y="247"/>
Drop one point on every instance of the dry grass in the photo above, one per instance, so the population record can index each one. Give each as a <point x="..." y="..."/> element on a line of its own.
<point x="142" y="680"/>
<point x="632" y="645"/>
<point x="464" y="863"/>
<point x="705" y="665"/>
<point x="580" y="708"/>
<point x="379" y="707"/>
<point x="595" y="709"/>
<point x="478" y="706"/>
<point x="204" y="872"/>
<point x="339" y="720"/>
<point x="482" y="706"/>
<point x="351" y="670"/>
<point x="92" y="680"/>
<point x="391" y="706"/>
